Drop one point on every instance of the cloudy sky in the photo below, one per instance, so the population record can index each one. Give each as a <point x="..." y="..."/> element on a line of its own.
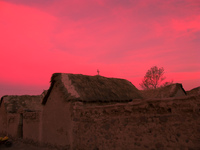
<point x="121" y="38"/>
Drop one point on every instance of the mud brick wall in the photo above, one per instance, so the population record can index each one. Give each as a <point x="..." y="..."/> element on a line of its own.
<point x="13" y="125"/>
<point x="147" y="124"/>
<point x="31" y="126"/>
<point x="3" y="120"/>
<point x="56" y="120"/>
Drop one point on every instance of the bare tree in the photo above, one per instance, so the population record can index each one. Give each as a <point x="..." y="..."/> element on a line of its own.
<point x="154" y="78"/>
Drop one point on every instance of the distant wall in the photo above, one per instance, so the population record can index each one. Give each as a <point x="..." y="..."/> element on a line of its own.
<point x="31" y="126"/>
<point x="152" y="124"/>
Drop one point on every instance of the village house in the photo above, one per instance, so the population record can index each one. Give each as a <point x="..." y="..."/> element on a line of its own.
<point x="98" y="113"/>
<point x="66" y="89"/>
<point x="20" y="116"/>
<point x="173" y="90"/>
<point x="95" y="112"/>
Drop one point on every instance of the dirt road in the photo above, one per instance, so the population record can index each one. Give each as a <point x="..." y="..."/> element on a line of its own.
<point x="18" y="145"/>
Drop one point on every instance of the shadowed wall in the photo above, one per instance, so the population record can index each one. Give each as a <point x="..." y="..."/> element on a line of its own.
<point x="152" y="124"/>
<point x="31" y="126"/>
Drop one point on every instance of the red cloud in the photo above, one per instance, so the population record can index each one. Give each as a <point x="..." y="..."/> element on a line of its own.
<point x="121" y="39"/>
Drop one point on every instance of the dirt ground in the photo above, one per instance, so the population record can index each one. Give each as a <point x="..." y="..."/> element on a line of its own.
<point x="19" y="145"/>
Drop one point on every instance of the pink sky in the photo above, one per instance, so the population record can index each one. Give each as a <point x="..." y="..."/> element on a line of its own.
<point x="121" y="38"/>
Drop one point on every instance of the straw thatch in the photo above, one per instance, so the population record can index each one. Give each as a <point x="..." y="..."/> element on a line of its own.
<point x="78" y="87"/>
<point x="194" y="91"/>
<point x="163" y="92"/>
<point x="15" y="103"/>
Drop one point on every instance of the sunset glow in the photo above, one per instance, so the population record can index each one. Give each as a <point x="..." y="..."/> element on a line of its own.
<point x="121" y="38"/>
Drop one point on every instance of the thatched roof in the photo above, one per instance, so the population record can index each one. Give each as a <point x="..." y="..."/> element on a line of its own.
<point x="15" y="103"/>
<point x="194" y="91"/>
<point x="163" y="92"/>
<point x="78" y="87"/>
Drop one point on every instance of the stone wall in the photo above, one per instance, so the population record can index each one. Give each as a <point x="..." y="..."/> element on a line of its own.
<point x="150" y="124"/>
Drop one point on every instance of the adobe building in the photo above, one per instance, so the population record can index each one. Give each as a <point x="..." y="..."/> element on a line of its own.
<point x="98" y="113"/>
<point x="20" y="116"/>
<point x="172" y="90"/>
<point x="67" y="90"/>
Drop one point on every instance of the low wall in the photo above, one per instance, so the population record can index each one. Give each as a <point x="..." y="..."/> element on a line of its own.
<point x="147" y="124"/>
